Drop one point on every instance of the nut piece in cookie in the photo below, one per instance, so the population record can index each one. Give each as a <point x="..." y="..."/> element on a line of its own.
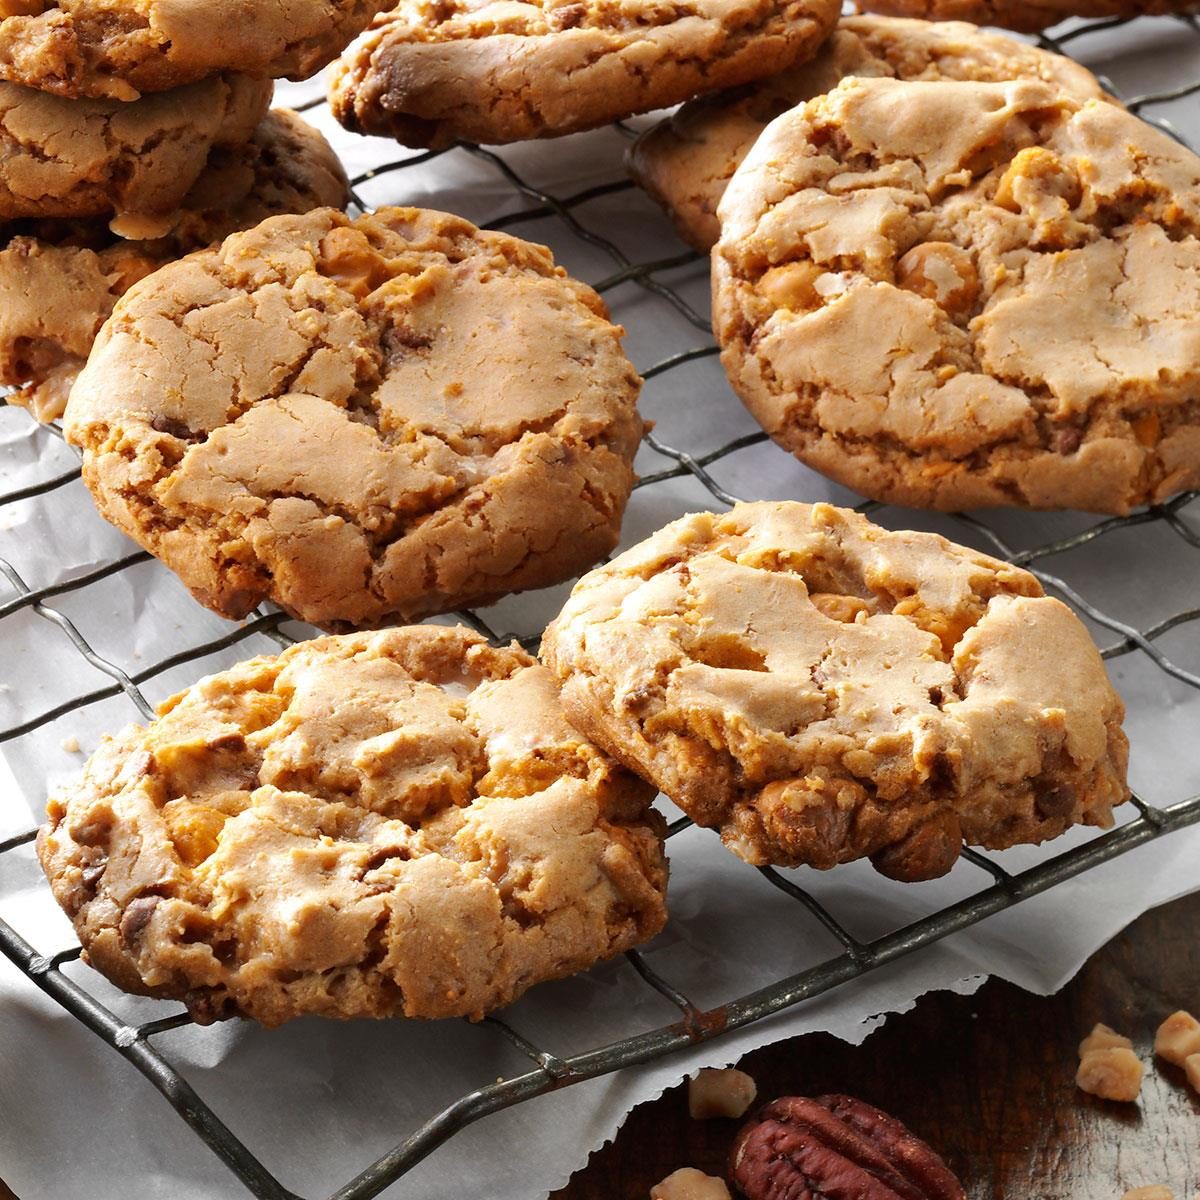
<point x="362" y="420"/>
<point x="836" y="1146"/>
<point x="686" y="161"/>
<point x="117" y="49"/>
<point x="820" y="689"/>
<point x="1026" y="16"/>
<point x="371" y="825"/>
<point x="429" y="73"/>
<point x="59" y="279"/>
<point x="1003" y="294"/>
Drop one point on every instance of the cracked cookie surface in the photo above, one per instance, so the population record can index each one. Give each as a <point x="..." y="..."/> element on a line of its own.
<point x="820" y="689"/>
<point x="59" y="279"/>
<point x="121" y="48"/>
<point x="79" y="158"/>
<point x="686" y="161"/>
<point x="965" y="295"/>
<point x="428" y="72"/>
<point x="362" y="420"/>
<point x="370" y="825"/>
<point x="1026" y="16"/>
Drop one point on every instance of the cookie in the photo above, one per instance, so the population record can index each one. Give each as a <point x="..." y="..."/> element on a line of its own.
<point x="60" y="279"/>
<point x="121" y="48"/>
<point x="1026" y="16"/>
<point x="965" y="295"/>
<point x="82" y="158"/>
<point x="363" y="421"/>
<point x="370" y="825"/>
<point x="427" y="74"/>
<point x="686" y="161"/>
<point x="820" y="689"/>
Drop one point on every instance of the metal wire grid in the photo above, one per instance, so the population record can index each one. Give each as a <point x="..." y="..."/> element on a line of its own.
<point x="548" y="1072"/>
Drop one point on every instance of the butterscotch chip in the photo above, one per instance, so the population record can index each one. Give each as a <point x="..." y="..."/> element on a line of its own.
<point x="1113" y="1074"/>
<point x="1010" y="283"/>
<point x="73" y="158"/>
<point x="372" y="825"/>
<point x="1178" y="1037"/>
<point x="1155" y="1192"/>
<point x="720" y="1093"/>
<point x="690" y="1184"/>
<point x="59" y="279"/>
<point x="1027" y="16"/>
<point x="120" y="48"/>
<point x="1103" y="1038"/>
<point x="361" y="420"/>
<point x="946" y="700"/>
<point x="427" y="73"/>
<point x="686" y="161"/>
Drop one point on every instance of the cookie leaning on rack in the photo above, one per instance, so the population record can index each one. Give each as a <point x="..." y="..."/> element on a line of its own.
<point x="1028" y="16"/>
<point x="820" y="689"/>
<point x="59" y="279"/>
<point x="132" y="161"/>
<point x="686" y="161"/>
<point x="361" y="420"/>
<point x="120" y="48"/>
<point x="374" y="825"/>
<point x="428" y="73"/>
<point x="963" y="295"/>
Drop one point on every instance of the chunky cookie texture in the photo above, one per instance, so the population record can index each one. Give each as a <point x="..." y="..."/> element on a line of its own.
<point x="120" y="48"/>
<point x="1027" y="16"/>
<point x="962" y="295"/>
<point x="60" y="279"/>
<point x="427" y="73"/>
<point x="820" y="689"/>
<point x="361" y="420"/>
<point x="686" y="161"/>
<point x="398" y="823"/>
<point x="72" y="158"/>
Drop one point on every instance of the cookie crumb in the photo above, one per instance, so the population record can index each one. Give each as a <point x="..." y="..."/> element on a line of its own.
<point x="1156" y="1192"/>
<point x="1178" y="1038"/>
<point x="720" y="1093"/>
<point x="71" y="744"/>
<point x="689" y="1184"/>
<point x="1108" y="1067"/>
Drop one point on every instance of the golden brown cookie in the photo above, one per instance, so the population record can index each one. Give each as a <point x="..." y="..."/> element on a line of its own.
<point x="59" y="279"/>
<point x="1027" y="16"/>
<point x="120" y="48"/>
<point x="686" y="161"/>
<point x="81" y="158"/>
<point x="820" y="689"/>
<point x="374" y="825"/>
<point x="964" y="295"/>
<point x="361" y="420"/>
<point x="428" y="73"/>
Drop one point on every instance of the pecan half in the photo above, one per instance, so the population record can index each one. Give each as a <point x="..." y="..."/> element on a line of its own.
<point x="835" y="1148"/>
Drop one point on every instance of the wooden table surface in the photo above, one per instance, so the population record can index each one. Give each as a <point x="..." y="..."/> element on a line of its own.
<point x="987" y="1079"/>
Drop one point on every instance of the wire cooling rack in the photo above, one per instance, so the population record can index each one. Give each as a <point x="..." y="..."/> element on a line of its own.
<point x="1002" y="888"/>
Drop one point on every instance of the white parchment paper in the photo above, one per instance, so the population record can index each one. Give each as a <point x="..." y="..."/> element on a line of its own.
<point x="317" y="1101"/>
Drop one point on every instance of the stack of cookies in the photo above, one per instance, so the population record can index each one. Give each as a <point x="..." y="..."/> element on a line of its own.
<point x="131" y="134"/>
<point x="948" y="271"/>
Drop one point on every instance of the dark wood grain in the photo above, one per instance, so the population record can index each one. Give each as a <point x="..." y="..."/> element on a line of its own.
<point x="987" y="1079"/>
